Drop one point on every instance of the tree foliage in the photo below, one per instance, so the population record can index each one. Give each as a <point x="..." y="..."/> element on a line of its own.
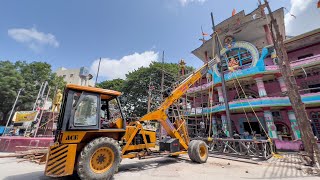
<point x="10" y="82"/>
<point x="115" y="84"/>
<point x="136" y="86"/>
<point x="28" y="76"/>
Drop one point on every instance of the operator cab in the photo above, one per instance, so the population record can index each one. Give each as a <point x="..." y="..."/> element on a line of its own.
<point x="89" y="108"/>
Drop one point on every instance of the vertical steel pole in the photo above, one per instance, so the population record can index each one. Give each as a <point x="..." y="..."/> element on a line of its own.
<point x="225" y="97"/>
<point x="12" y="109"/>
<point x="34" y="106"/>
<point x="162" y="89"/>
<point x="162" y="76"/>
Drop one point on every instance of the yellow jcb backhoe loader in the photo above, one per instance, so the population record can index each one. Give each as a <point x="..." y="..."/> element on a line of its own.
<point x="92" y="136"/>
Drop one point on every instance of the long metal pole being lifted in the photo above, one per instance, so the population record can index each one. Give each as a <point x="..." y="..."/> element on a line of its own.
<point x="225" y="97"/>
<point x="12" y="109"/>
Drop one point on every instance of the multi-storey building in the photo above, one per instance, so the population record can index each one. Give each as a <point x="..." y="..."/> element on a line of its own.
<point x="79" y="76"/>
<point x="256" y="91"/>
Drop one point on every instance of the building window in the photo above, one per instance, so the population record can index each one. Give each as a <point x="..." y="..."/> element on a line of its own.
<point x="305" y="56"/>
<point x="276" y="115"/>
<point x="239" y="55"/>
<point x="71" y="75"/>
<point x="249" y="95"/>
<point x="86" y="112"/>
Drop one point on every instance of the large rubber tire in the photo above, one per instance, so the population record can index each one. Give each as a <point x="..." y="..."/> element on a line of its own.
<point x="88" y="165"/>
<point x="190" y="149"/>
<point x="198" y="151"/>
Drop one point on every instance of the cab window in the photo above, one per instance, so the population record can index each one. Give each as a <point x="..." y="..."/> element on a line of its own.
<point x="114" y="110"/>
<point x="86" y="111"/>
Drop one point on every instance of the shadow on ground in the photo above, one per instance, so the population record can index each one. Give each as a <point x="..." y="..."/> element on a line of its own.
<point x="289" y="166"/>
<point x="128" y="167"/>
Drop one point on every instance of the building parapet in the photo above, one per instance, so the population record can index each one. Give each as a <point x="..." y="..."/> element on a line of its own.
<point x="306" y="62"/>
<point x="201" y="87"/>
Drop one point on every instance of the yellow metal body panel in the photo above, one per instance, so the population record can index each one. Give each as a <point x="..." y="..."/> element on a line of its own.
<point x="71" y="137"/>
<point x="119" y="123"/>
<point x="133" y="129"/>
<point x="129" y="132"/>
<point x="61" y="160"/>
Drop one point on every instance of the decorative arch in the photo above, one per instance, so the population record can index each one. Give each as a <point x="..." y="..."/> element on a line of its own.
<point x="279" y="125"/>
<point x="243" y="52"/>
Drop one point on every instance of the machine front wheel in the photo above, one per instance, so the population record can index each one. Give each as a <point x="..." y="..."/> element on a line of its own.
<point x="99" y="159"/>
<point x="198" y="151"/>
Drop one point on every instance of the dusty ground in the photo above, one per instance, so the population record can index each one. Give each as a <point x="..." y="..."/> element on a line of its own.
<point x="171" y="168"/>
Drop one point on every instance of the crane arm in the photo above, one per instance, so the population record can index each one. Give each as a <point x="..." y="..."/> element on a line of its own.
<point x="160" y="113"/>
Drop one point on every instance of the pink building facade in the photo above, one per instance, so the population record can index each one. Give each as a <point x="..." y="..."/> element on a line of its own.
<point x="256" y="91"/>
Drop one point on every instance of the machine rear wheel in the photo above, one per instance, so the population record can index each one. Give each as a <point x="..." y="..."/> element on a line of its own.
<point x="99" y="159"/>
<point x="190" y="150"/>
<point x="198" y="151"/>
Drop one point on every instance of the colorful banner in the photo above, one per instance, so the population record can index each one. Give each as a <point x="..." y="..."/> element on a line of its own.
<point x="24" y="116"/>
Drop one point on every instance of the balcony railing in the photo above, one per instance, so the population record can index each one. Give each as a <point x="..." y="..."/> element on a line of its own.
<point x="298" y="63"/>
<point x="275" y="99"/>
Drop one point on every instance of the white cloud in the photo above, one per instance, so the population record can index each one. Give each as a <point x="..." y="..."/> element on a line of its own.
<point x="117" y="68"/>
<point x="307" y="17"/>
<point x="33" y="38"/>
<point x="185" y="2"/>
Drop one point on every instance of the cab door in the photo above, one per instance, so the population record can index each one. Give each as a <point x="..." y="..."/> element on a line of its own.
<point x="85" y="111"/>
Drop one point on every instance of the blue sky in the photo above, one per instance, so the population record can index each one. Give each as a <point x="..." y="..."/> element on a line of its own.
<point x="75" y="33"/>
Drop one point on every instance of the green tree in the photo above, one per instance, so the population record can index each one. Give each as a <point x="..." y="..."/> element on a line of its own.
<point x="34" y="75"/>
<point x="25" y="75"/>
<point x="115" y="84"/>
<point x="10" y="83"/>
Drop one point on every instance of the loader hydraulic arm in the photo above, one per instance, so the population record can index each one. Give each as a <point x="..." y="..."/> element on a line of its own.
<point x="160" y="114"/>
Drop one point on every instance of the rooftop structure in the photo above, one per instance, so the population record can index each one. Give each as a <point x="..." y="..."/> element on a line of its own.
<point x="79" y="76"/>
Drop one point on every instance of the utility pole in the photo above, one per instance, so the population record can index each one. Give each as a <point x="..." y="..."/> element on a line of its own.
<point x="98" y="71"/>
<point x="224" y="92"/>
<point x="149" y="96"/>
<point x="162" y="76"/>
<point x="307" y="136"/>
<point x="12" y="109"/>
<point x="35" y="104"/>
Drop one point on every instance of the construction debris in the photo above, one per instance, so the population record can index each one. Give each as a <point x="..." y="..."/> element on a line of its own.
<point x="36" y="155"/>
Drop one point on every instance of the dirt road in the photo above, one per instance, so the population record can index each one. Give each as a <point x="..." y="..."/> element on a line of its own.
<point x="173" y="168"/>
